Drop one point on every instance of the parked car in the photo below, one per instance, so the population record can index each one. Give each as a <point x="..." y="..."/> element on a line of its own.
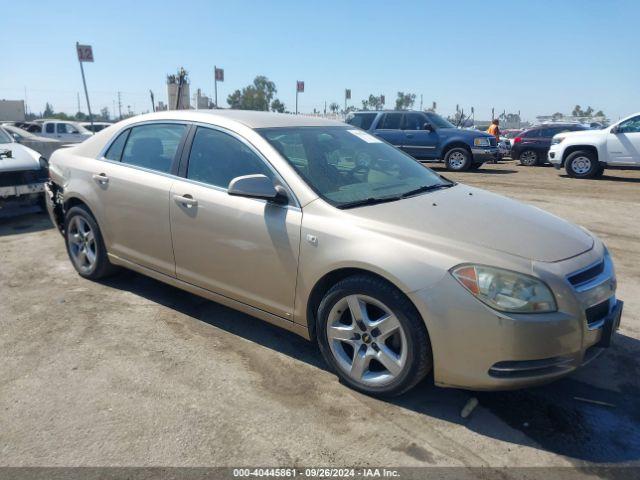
<point x="44" y="146"/>
<point x="531" y="146"/>
<point x="327" y="231"/>
<point x="65" y="131"/>
<point x="428" y="137"/>
<point x="96" y="127"/>
<point x="23" y="172"/>
<point x="31" y="127"/>
<point x="587" y="153"/>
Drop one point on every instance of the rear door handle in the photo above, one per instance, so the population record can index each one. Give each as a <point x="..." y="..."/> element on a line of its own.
<point x="409" y="135"/>
<point x="101" y="178"/>
<point x="186" y="200"/>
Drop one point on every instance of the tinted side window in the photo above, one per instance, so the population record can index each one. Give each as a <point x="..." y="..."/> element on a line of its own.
<point x="50" y="127"/>
<point x="414" y="121"/>
<point x="362" y="120"/>
<point x="115" y="150"/>
<point x="531" y="134"/>
<point x="391" y="121"/>
<point x="217" y="158"/>
<point x="153" y="146"/>
<point x="630" y="126"/>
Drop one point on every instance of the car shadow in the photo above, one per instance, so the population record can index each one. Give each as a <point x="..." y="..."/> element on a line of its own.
<point x="15" y="222"/>
<point x="481" y="170"/>
<point x="571" y="417"/>
<point x="610" y="178"/>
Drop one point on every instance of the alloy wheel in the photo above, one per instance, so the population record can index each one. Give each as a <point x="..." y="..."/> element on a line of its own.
<point x="82" y="243"/>
<point x="367" y="340"/>
<point x="457" y="160"/>
<point x="529" y="158"/>
<point x="581" y="165"/>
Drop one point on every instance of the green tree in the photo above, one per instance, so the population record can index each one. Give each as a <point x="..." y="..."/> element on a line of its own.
<point x="104" y="114"/>
<point x="334" y="107"/>
<point x="257" y="96"/>
<point x="556" y="116"/>
<point x="375" y="102"/>
<point x="48" y="111"/>
<point x="405" y="100"/>
<point x="577" y="111"/>
<point x="277" y="106"/>
<point x="599" y="113"/>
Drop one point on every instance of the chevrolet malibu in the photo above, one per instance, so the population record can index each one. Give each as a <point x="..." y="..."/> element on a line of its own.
<point x="327" y="231"/>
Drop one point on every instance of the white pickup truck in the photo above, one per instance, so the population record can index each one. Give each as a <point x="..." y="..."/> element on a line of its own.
<point x="586" y="153"/>
<point x="65" y="131"/>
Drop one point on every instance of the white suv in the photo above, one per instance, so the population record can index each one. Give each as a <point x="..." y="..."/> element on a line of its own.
<point x="586" y="153"/>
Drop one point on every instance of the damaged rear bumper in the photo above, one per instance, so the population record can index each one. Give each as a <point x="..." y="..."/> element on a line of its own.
<point x="54" y="204"/>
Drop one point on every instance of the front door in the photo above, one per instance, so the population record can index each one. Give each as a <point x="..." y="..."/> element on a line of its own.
<point x="623" y="146"/>
<point x="133" y="185"/>
<point x="243" y="248"/>
<point x="418" y="142"/>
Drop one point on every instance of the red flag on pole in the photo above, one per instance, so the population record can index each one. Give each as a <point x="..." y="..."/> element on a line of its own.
<point x="219" y="75"/>
<point x="300" y="86"/>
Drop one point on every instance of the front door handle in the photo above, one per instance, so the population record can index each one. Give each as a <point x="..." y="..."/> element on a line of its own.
<point x="101" y="178"/>
<point x="186" y="200"/>
<point x="409" y="135"/>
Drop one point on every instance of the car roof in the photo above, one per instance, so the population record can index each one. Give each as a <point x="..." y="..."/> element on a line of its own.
<point x="388" y="111"/>
<point x="249" y="118"/>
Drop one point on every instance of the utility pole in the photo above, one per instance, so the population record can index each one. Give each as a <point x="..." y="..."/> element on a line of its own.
<point x="85" y="54"/>
<point x="119" y="106"/>
<point x="78" y="95"/>
<point x="153" y="104"/>
<point x="113" y="111"/>
<point x="420" y="102"/>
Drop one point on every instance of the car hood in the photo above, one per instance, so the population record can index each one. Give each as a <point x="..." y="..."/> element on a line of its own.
<point x="463" y="133"/>
<point x="22" y="158"/>
<point x="478" y="218"/>
<point x="581" y="133"/>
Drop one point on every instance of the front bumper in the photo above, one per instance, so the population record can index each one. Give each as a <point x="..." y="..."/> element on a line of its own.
<point x="554" y="156"/>
<point x="20" y="190"/>
<point x="476" y="347"/>
<point x="484" y="154"/>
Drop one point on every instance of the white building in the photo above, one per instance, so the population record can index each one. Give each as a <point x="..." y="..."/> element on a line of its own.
<point x="12" y="110"/>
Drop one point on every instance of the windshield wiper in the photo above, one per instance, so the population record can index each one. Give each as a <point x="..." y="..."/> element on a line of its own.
<point x="369" y="201"/>
<point x="426" y="188"/>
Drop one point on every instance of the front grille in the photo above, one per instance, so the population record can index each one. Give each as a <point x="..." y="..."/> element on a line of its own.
<point x="597" y="313"/>
<point x="530" y="368"/>
<point x="24" y="177"/>
<point x="586" y="275"/>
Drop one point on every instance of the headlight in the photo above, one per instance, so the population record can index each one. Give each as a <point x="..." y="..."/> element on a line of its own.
<point x="557" y="140"/>
<point x="505" y="290"/>
<point x="481" y="142"/>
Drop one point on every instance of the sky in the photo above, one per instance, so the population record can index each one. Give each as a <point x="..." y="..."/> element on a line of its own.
<point x="536" y="57"/>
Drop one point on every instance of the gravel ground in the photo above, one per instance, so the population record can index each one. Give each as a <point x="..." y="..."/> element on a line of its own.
<point x="131" y="372"/>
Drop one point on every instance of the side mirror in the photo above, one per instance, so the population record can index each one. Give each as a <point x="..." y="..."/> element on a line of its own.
<point x="427" y="127"/>
<point x="257" y="186"/>
<point x="615" y="130"/>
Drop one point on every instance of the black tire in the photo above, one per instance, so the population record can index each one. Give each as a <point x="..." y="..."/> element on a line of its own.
<point x="529" y="158"/>
<point x="101" y="267"/>
<point x="458" y="159"/>
<point x="418" y="361"/>
<point x="583" y="164"/>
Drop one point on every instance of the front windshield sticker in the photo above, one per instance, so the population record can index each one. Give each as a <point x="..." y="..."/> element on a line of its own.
<point x="364" y="136"/>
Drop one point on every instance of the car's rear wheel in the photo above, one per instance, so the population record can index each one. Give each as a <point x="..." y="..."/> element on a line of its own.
<point x="582" y="164"/>
<point x="458" y="159"/>
<point x="85" y="245"/>
<point x="373" y="337"/>
<point x="529" y="158"/>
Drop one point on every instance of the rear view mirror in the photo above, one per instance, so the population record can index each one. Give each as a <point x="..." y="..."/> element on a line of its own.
<point x="257" y="186"/>
<point x="428" y="127"/>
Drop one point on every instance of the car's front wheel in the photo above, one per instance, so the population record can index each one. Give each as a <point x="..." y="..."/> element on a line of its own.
<point x="458" y="159"/>
<point x="529" y="158"/>
<point x="373" y="337"/>
<point x="583" y="164"/>
<point x="85" y="245"/>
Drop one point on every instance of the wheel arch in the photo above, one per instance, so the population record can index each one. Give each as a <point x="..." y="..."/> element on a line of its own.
<point x="329" y="279"/>
<point x="574" y="148"/>
<point x="455" y="144"/>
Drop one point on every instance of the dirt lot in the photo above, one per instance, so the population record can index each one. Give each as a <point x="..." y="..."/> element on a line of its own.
<point x="132" y="372"/>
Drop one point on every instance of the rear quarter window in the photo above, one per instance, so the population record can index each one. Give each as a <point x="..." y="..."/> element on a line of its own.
<point x="362" y="120"/>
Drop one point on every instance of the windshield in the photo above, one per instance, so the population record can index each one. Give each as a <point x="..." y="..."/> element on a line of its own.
<point x="346" y="166"/>
<point x="439" y="122"/>
<point x="5" y="137"/>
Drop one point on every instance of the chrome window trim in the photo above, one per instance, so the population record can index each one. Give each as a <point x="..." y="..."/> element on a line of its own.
<point x="101" y="157"/>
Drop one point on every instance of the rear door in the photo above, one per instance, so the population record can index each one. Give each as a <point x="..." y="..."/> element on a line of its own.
<point x="133" y="184"/>
<point x="243" y="248"/>
<point x="623" y="147"/>
<point x="418" y="142"/>
<point x="389" y="128"/>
